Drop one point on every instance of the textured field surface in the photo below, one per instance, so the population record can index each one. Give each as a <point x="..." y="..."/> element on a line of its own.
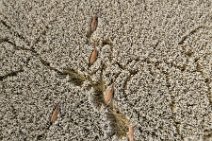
<point x="151" y="70"/>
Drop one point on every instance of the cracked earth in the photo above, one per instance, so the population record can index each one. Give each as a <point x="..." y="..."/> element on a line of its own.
<point x="156" y="55"/>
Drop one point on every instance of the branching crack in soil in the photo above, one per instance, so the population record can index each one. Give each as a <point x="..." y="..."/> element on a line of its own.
<point x="7" y="40"/>
<point x="193" y="31"/>
<point x="15" y="33"/>
<point x="120" y="120"/>
<point x="10" y="74"/>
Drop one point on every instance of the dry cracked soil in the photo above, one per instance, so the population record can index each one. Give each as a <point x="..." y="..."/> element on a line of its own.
<point x="89" y="70"/>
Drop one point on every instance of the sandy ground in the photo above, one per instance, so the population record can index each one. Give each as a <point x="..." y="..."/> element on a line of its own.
<point x="156" y="54"/>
